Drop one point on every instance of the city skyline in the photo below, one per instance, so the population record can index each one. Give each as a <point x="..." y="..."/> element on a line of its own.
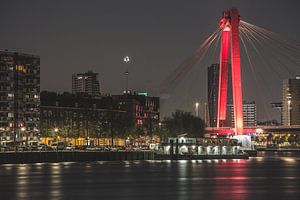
<point x="105" y="32"/>
<point x="157" y="99"/>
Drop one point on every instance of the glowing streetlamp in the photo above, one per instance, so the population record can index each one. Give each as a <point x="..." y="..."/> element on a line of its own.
<point x="289" y="112"/>
<point x="197" y="108"/>
<point x="126" y="60"/>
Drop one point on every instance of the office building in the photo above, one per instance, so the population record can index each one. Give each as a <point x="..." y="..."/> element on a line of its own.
<point x="86" y="83"/>
<point x="291" y="102"/>
<point x="249" y="114"/>
<point x="213" y="91"/>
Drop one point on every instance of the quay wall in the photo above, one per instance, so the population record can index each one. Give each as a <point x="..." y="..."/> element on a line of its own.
<point x="71" y="156"/>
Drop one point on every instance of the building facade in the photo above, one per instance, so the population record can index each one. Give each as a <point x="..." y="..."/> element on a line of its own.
<point x="291" y="102"/>
<point x="86" y="83"/>
<point x="80" y="115"/>
<point x="19" y="94"/>
<point x="142" y="110"/>
<point x="249" y="114"/>
<point x="212" y="93"/>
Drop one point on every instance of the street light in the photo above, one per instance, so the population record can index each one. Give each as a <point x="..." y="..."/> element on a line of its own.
<point x="289" y="112"/>
<point x="197" y="109"/>
<point x="126" y="60"/>
<point x="23" y="129"/>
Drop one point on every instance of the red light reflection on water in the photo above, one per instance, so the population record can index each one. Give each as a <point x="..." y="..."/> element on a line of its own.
<point x="231" y="180"/>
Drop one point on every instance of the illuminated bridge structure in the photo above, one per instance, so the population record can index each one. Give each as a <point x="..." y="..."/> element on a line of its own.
<point x="254" y="130"/>
<point x="230" y="39"/>
<point x="233" y="32"/>
<point x="230" y="28"/>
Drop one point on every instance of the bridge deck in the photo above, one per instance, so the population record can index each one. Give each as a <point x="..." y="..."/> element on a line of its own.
<point x="255" y="129"/>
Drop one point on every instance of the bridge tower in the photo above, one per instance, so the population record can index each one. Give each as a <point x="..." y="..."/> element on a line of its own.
<point x="230" y="40"/>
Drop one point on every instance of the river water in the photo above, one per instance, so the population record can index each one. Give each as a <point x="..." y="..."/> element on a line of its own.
<point x="272" y="176"/>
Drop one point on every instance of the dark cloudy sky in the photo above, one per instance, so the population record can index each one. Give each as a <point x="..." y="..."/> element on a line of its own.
<point x="77" y="35"/>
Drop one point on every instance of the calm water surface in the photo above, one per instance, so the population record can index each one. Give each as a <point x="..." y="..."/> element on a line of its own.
<point x="271" y="177"/>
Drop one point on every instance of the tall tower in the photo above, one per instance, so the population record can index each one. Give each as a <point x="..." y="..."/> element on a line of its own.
<point x="230" y="39"/>
<point x="86" y="83"/>
<point x="19" y="95"/>
<point x="212" y="93"/>
<point x="291" y="102"/>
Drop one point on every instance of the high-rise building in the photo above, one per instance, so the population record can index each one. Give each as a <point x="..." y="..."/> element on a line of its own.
<point x="212" y="93"/>
<point x="291" y="102"/>
<point x="19" y="95"/>
<point x="249" y="114"/>
<point x="86" y="83"/>
<point x="277" y="106"/>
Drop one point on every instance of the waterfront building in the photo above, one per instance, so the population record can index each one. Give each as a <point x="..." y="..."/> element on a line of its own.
<point x="249" y="114"/>
<point x="86" y="83"/>
<point x="291" y="102"/>
<point x="19" y="95"/>
<point x="142" y="110"/>
<point x="80" y="115"/>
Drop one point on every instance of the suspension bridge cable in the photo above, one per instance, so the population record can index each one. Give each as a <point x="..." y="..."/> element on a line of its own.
<point x="258" y="56"/>
<point x="196" y="74"/>
<point x="292" y="44"/>
<point x="172" y="80"/>
<point x="251" y="39"/>
<point x="253" y="73"/>
<point x="272" y="51"/>
<point x="266" y="36"/>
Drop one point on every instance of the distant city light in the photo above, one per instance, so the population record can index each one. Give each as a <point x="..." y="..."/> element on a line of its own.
<point x="259" y="131"/>
<point x="126" y="59"/>
<point x="143" y="93"/>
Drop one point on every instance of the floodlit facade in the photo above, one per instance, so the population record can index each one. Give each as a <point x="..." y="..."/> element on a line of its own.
<point x="19" y="95"/>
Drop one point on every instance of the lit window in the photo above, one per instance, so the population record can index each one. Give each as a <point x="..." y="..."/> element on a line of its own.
<point x="19" y="68"/>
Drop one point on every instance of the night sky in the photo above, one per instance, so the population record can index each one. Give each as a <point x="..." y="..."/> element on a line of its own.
<point x="74" y="36"/>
